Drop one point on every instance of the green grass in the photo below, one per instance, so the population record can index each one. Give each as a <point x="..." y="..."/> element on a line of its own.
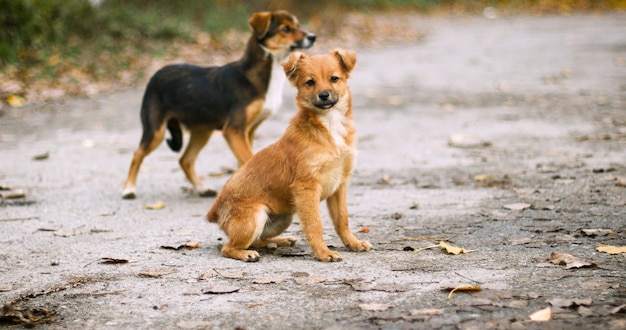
<point x="56" y="41"/>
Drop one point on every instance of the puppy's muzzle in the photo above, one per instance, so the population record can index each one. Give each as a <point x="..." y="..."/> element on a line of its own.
<point x="306" y="42"/>
<point x="325" y="100"/>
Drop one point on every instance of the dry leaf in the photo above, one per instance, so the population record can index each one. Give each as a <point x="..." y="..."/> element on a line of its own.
<point x="50" y="228"/>
<point x="114" y="261"/>
<point x="16" y="101"/>
<point x="566" y="303"/>
<point x="156" y="272"/>
<point x="307" y="280"/>
<point x="466" y="141"/>
<point x="156" y="206"/>
<point x="611" y="249"/>
<point x="43" y="156"/>
<point x="541" y="315"/>
<point x="4" y="287"/>
<point x="231" y="275"/>
<point x="462" y="288"/>
<point x="13" y="194"/>
<point x="453" y="249"/>
<point x="220" y="289"/>
<point x="427" y="311"/>
<point x="375" y="307"/>
<point x="597" y="232"/>
<point x="364" y="230"/>
<point x="267" y="280"/>
<point x="189" y="245"/>
<point x="517" y="206"/>
<point x="568" y="260"/>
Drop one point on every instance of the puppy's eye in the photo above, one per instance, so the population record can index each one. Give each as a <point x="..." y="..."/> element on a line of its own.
<point x="334" y="79"/>
<point x="286" y="29"/>
<point x="310" y="82"/>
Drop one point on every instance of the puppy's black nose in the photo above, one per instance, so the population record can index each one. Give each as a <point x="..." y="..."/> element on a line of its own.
<point x="323" y="96"/>
<point x="310" y="37"/>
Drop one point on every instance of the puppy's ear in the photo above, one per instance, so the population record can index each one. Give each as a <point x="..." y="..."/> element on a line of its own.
<point x="291" y="66"/>
<point x="346" y="58"/>
<point x="260" y="23"/>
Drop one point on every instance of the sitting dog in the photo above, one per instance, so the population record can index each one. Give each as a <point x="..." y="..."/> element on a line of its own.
<point x="235" y="98"/>
<point x="311" y="162"/>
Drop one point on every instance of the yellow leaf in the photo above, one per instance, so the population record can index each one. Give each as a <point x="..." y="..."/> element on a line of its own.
<point x="463" y="288"/>
<point x="541" y="315"/>
<point x="611" y="249"/>
<point x="453" y="249"/>
<point x="156" y="206"/>
<point x="16" y="101"/>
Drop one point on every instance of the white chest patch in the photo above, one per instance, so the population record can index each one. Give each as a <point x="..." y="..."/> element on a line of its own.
<point x="274" y="96"/>
<point x="335" y="123"/>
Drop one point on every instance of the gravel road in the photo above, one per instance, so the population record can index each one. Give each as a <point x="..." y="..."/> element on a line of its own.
<point x="504" y="137"/>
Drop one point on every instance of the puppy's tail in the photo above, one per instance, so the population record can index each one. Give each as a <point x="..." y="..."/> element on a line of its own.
<point x="176" y="141"/>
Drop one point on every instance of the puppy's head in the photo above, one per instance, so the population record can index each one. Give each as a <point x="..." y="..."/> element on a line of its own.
<point x="279" y="32"/>
<point x="321" y="80"/>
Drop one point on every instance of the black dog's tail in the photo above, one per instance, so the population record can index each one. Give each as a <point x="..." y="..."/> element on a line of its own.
<point x="176" y="141"/>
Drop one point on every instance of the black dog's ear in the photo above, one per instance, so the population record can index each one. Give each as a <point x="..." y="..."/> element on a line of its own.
<point x="291" y="66"/>
<point x="260" y="23"/>
<point x="346" y="58"/>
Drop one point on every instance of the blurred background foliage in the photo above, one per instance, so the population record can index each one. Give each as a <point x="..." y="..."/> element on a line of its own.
<point x="65" y="44"/>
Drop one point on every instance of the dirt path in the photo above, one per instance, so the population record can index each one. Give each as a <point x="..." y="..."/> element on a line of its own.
<point x="535" y="108"/>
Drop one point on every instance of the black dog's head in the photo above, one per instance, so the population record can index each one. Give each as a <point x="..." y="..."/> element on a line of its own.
<point x="279" y="32"/>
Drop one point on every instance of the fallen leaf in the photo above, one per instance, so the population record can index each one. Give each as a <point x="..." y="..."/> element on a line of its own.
<point x="453" y="249"/>
<point x="4" y="287"/>
<point x="220" y="289"/>
<point x="16" y="101"/>
<point x="231" y="275"/>
<point x="427" y="311"/>
<point x="611" y="249"/>
<point x="13" y="194"/>
<point x="375" y="307"/>
<point x="364" y="230"/>
<point x="568" y="260"/>
<point x="50" y="228"/>
<point x="461" y="288"/>
<point x="566" y="302"/>
<point x="114" y="261"/>
<point x="308" y="280"/>
<point x="466" y="141"/>
<point x="597" y="232"/>
<point x="189" y="245"/>
<point x="43" y="156"/>
<point x="541" y="315"/>
<point x="267" y="281"/>
<point x="156" y="272"/>
<point x="155" y="206"/>
<point x="517" y="206"/>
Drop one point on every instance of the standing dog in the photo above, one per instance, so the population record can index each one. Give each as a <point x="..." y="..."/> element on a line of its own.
<point x="235" y="98"/>
<point x="310" y="163"/>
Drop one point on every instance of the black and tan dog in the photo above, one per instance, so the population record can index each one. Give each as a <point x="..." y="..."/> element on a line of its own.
<point x="234" y="98"/>
<point x="310" y="163"/>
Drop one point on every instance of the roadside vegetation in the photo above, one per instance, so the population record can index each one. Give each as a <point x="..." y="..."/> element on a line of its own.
<point x="53" y="49"/>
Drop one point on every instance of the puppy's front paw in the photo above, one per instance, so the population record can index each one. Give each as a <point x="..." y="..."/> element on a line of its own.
<point x="328" y="255"/>
<point x="360" y="246"/>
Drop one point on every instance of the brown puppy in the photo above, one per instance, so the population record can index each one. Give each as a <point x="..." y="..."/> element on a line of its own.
<point x="235" y="98"/>
<point x="310" y="163"/>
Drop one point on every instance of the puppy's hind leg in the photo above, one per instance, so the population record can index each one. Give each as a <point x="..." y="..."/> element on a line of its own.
<point x="150" y="140"/>
<point x="198" y="139"/>
<point x="275" y="225"/>
<point x="243" y="229"/>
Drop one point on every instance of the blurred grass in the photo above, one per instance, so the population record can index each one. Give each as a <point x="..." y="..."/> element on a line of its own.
<point x="65" y="44"/>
